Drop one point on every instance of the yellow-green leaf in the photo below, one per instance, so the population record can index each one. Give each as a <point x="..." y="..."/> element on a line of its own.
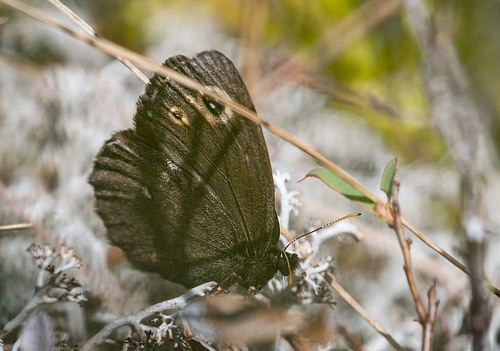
<point x="388" y="177"/>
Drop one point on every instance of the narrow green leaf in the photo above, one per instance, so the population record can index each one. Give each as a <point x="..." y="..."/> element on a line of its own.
<point x="388" y="177"/>
<point x="340" y="185"/>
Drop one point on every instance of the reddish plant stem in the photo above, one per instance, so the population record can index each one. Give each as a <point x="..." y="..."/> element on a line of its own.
<point x="405" y="247"/>
<point x="426" y="319"/>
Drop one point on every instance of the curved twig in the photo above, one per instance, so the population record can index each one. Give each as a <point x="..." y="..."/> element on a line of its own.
<point x="134" y="320"/>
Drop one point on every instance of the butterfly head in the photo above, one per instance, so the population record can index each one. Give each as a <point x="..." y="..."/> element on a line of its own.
<point x="256" y="273"/>
<point x="287" y="262"/>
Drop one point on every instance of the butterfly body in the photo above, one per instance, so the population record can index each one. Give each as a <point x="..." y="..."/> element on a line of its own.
<point x="188" y="192"/>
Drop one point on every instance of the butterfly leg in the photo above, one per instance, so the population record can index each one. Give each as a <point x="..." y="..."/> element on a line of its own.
<point x="223" y="286"/>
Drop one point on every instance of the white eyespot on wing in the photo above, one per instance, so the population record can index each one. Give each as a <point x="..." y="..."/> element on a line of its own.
<point x="213" y="111"/>
<point x="177" y="115"/>
<point x="227" y="113"/>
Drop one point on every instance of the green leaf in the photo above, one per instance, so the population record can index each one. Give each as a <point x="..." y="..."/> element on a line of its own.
<point x="340" y="185"/>
<point x="388" y="177"/>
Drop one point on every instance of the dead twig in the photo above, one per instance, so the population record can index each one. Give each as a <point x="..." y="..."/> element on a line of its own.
<point x="135" y="320"/>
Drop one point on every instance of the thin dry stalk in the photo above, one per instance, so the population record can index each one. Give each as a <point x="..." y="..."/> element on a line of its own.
<point x="330" y="278"/>
<point x="19" y="226"/>
<point x="148" y="64"/>
<point x="299" y="72"/>
<point x="440" y="251"/>
<point x="92" y="32"/>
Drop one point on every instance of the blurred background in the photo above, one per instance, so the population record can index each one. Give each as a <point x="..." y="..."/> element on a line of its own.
<point x="360" y="81"/>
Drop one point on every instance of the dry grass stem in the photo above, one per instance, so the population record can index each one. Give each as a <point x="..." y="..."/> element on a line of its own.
<point x="21" y="63"/>
<point x="19" y="226"/>
<point x="18" y="210"/>
<point x="330" y="278"/>
<point x="436" y="248"/>
<point x="90" y="31"/>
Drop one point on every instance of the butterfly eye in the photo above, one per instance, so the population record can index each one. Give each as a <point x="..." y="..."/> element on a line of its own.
<point x="178" y="115"/>
<point x="213" y="106"/>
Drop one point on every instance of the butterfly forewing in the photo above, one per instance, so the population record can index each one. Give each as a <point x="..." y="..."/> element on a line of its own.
<point x="191" y="185"/>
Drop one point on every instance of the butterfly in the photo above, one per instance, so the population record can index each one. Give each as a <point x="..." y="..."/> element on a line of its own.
<point x="188" y="191"/>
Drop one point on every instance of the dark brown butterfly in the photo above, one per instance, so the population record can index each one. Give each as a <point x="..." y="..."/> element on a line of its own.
<point x="188" y="192"/>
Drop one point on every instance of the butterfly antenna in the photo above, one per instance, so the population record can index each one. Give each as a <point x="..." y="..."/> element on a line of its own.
<point x="322" y="227"/>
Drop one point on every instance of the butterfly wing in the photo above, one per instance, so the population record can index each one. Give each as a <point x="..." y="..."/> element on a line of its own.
<point x="188" y="193"/>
